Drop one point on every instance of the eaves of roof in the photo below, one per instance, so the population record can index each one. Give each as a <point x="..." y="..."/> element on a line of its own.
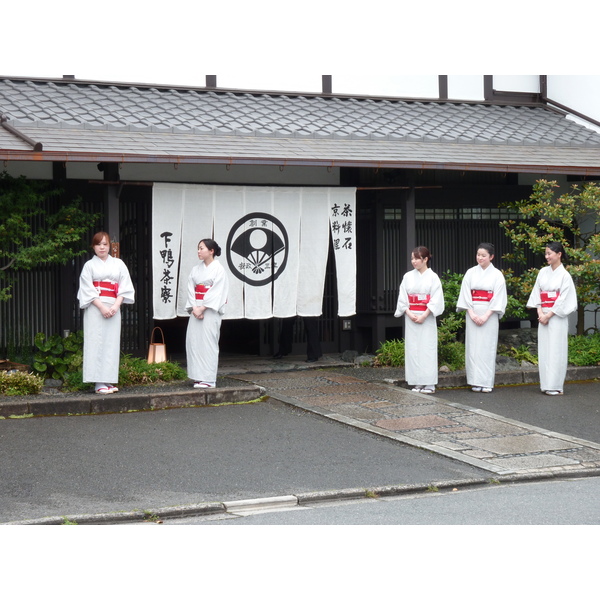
<point x="127" y="147"/>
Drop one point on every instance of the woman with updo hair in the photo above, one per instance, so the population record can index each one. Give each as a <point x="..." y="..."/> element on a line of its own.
<point x="208" y="287"/>
<point x="555" y="298"/>
<point x="420" y="300"/>
<point x="483" y="296"/>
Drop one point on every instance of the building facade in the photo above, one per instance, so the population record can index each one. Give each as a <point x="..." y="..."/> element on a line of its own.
<point x="428" y="172"/>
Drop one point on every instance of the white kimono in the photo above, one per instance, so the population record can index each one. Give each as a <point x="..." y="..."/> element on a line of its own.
<point x="202" y="339"/>
<point x="419" y="290"/>
<point x="482" y="290"/>
<point x="553" y="291"/>
<point x="102" y="337"/>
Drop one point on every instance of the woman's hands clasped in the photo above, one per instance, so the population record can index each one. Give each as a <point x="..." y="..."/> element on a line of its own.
<point x="198" y="311"/>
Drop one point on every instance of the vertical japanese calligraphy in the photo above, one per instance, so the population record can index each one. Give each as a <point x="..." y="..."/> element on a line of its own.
<point x="342" y="219"/>
<point x="166" y="290"/>
<point x="342" y="226"/>
<point x="167" y="213"/>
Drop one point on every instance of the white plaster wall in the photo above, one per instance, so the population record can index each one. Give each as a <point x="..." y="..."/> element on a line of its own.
<point x="403" y="86"/>
<point x="465" y="87"/>
<point x="579" y="92"/>
<point x="517" y="83"/>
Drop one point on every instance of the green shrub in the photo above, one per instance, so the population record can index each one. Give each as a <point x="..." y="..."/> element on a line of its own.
<point x="73" y="382"/>
<point x="452" y="354"/>
<point x="451" y="324"/>
<point x="19" y="383"/>
<point x="390" y="354"/>
<point x="451" y="327"/>
<point x="58" y="356"/>
<point x="132" y="371"/>
<point x="584" y="350"/>
<point x="522" y="353"/>
<point x="18" y="345"/>
<point x="137" y="371"/>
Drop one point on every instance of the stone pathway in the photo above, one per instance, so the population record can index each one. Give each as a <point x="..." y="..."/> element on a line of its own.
<point x="479" y="438"/>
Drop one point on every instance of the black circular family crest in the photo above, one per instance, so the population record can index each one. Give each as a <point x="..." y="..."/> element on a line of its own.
<point x="257" y="248"/>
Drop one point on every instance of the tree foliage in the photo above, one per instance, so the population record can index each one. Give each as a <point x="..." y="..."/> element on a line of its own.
<point x="32" y="235"/>
<point x="573" y="219"/>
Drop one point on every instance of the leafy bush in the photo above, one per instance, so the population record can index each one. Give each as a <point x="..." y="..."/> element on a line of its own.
<point x="515" y="307"/>
<point x="451" y="324"/>
<point x="18" y="344"/>
<point x="452" y="355"/>
<point x="522" y="353"/>
<point x="137" y="371"/>
<point x="390" y="354"/>
<point x="73" y="382"/>
<point x="584" y="350"/>
<point x="132" y="371"/>
<point x="451" y="328"/>
<point x="20" y="383"/>
<point x="58" y="356"/>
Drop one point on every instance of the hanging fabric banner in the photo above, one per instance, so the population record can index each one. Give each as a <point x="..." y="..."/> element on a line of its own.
<point x="198" y="212"/>
<point x="275" y="244"/>
<point x="255" y="247"/>
<point x="342" y="211"/>
<point x="230" y="203"/>
<point x="287" y="203"/>
<point x="167" y="210"/>
<point x="314" y="249"/>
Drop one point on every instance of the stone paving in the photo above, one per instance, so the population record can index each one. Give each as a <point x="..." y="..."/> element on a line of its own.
<point x="485" y="440"/>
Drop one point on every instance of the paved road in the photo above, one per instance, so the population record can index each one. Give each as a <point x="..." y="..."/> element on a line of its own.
<point x="90" y="464"/>
<point x="106" y="463"/>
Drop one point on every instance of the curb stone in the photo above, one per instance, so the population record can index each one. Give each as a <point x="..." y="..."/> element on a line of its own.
<point x="301" y="499"/>
<point x="126" y="402"/>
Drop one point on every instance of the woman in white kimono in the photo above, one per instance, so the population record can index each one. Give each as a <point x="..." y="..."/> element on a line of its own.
<point x="421" y="300"/>
<point x="208" y="287"/>
<point x="104" y="284"/>
<point x="555" y="298"/>
<point x="483" y="296"/>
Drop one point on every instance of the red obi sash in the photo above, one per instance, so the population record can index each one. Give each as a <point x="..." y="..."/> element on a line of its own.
<point x="549" y="298"/>
<point x="201" y="290"/>
<point x="107" y="288"/>
<point x="418" y="302"/>
<point x="482" y="295"/>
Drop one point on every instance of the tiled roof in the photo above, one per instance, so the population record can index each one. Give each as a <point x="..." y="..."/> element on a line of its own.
<point x="67" y="117"/>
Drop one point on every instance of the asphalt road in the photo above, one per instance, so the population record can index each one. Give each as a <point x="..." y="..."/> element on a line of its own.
<point x="92" y="464"/>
